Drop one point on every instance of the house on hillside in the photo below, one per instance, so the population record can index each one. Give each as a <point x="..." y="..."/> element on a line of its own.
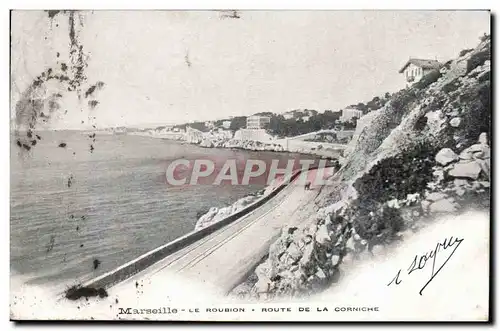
<point x="349" y="113"/>
<point x="226" y="124"/>
<point x="415" y="69"/>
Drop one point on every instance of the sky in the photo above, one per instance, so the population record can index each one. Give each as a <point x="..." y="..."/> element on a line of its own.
<point x="165" y="67"/>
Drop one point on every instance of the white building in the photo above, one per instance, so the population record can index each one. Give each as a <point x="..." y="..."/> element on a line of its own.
<point x="253" y="135"/>
<point x="226" y="124"/>
<point x="257" y="122"/>
<point x="415" y="69"/>
<point x="350" y="113"/>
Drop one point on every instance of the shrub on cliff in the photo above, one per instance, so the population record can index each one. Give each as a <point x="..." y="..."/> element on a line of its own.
<point x="478" y="59"/>
<point x="376" y="223"/>
<point x="477" y="117"/>
<point x="465" y="51"/>
<point x="396" y="177"/>
<point x="392" y="178"/>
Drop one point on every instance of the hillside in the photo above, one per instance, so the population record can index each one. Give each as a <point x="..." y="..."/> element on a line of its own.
<point x="425" y="153"/>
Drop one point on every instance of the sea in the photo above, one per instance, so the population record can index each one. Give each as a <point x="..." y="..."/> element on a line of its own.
<point x="82" y="205"/>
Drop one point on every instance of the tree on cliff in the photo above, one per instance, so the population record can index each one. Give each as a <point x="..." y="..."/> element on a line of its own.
<point x="238" y="122"/>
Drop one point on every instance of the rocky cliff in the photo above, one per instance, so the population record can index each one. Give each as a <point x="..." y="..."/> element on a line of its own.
<point x="426" y="152"/>
<point x="215" y="214"/>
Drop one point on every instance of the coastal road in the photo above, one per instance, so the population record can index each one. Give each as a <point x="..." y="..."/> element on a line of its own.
<point x="225" y="258"/>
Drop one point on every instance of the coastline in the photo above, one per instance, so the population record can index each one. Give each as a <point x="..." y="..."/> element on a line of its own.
<point x="216" y="213"/>
<point x="322" y="150"/>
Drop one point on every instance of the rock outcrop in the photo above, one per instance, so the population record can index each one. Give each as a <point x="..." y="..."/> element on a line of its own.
<point x="216" y="214"/>
<point x="253" y="145"/>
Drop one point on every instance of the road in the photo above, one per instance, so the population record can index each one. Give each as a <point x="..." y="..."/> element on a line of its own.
<point x="225" y="258"/>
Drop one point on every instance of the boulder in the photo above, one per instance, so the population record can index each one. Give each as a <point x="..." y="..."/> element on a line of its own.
<point x="465" y="170"/>
<point x="350" y="244"/>
<point x="311" y="229"/>
<point x="455" y="122"/>
<point x="438" y="174"/>
<point x="412" y="198"/>
<point x="485" y="166"/>
<point x="322" y="236"/>
<point x="263" y="270"/>
<point x="393" y="204"/>
<point x="485" y="184"/>
<point x="466" y="155"/>
<point x="307" y="256"/>
<point x="320" y="273"/>
<point x="446" y="156"/>
<point x="483" y="138"/>
<point x="475" y="151"/>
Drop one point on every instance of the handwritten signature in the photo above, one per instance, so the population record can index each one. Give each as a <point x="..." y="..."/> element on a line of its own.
<point x="420" y="261"/>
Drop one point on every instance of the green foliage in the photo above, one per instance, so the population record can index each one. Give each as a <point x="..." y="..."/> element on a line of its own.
<point x="281" y="127"/>
<point x="374" y="104"/>
<point x="392" y="178"/>
<point x="238" y="122"/>
<point x="195" y="125"/>
<point x="465" y="51"/>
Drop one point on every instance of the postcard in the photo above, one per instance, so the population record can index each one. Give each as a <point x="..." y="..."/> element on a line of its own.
<point x="250" y="165"/>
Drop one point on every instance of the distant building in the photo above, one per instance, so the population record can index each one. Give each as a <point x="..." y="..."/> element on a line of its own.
<point x="257" y="122"/>
<point x="226" y="124"/>
<point x="305" y="114"/>
<point x="415" y="69"/>
<point x="253" y="135"/>
<point x="349" y="113"/>
<point x="209" y="124"/>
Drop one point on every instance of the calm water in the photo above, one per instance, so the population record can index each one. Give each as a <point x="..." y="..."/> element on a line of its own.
<point x="117" y="206"/>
